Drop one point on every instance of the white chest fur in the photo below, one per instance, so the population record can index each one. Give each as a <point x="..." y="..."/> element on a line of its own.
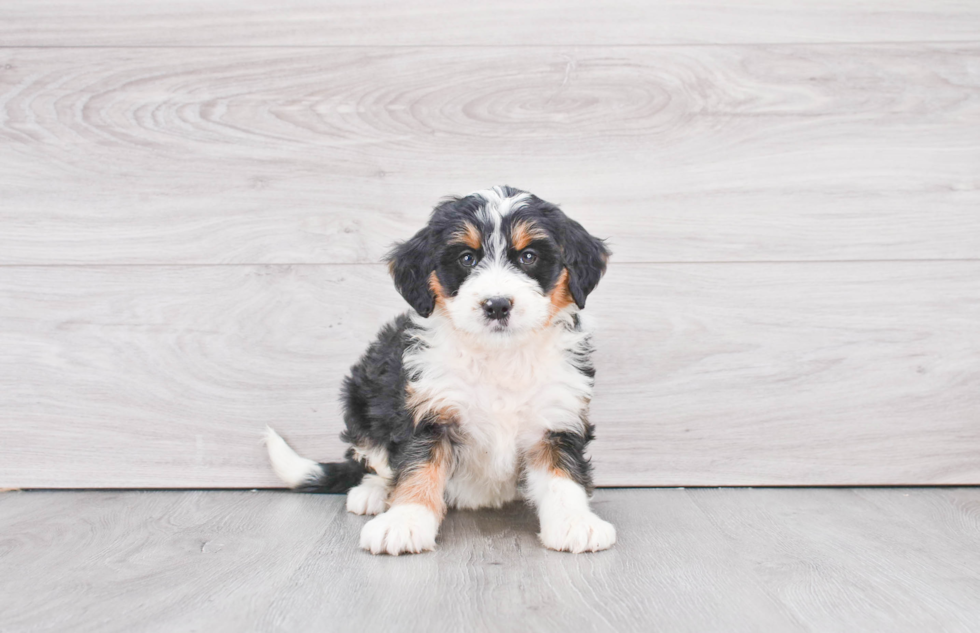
<point x="504" y="397"/>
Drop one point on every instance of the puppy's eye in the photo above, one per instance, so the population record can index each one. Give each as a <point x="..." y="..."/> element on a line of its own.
<point x="528" y="257"/>
<point x="467" y="260"/>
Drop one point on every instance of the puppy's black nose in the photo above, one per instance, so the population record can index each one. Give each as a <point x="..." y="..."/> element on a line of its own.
<point x="497" y="308"/>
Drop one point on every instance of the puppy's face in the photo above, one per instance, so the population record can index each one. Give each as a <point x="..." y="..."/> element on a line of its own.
<point x="498" y="263"/>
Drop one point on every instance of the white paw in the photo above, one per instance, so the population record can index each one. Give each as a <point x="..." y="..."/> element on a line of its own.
<point x="577" y="532"/>
<point x="368" y="498"/>
<point x="404" y="528"/>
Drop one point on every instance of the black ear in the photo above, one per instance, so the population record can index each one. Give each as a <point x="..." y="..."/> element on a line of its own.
<point x="411" y="263"/>
<point x="585" y="258"/>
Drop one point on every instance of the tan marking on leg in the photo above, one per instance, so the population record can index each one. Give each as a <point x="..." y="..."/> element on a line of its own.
<point x="425" y="484"/>
<point x="468" y="235"/>
<point x="523" y="233"/>
<point x="545" y="456"/>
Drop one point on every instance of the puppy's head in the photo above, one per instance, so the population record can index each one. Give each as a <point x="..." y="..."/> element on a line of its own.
<point x="499" y="263"/>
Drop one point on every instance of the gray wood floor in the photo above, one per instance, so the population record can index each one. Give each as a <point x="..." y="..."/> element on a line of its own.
<point x="879" y="559"/>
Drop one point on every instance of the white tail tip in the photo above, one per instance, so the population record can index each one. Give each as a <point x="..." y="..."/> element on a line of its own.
<point x="293" y="469"/>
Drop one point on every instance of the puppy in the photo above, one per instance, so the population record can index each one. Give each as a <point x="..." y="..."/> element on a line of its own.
<point x="480" y="396"/>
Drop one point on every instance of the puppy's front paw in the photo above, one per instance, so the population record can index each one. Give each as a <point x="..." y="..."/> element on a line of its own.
<point x="404" y="528"/>
<point x="577" y="532"/>
<point x="369" y="497"/>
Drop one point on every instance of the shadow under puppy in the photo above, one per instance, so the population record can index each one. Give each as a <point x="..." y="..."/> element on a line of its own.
<point x="481" y="395"/>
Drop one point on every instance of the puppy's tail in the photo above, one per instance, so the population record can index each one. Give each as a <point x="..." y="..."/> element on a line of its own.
<point x="305" y="475"/>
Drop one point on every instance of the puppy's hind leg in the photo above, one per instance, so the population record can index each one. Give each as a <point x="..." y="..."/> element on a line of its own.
<point x="370" y="497"/>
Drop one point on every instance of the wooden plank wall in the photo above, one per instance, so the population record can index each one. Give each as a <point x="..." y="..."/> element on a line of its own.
<point x="194" y="198"/>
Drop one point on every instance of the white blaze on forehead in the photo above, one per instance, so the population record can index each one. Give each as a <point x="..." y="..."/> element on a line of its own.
<point x="497" y="206"/>
<point x="498" y="203"/>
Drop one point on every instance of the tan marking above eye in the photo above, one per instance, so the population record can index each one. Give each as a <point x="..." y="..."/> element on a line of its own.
<point x="468" y="235"/>
<point x="523" y="233"/>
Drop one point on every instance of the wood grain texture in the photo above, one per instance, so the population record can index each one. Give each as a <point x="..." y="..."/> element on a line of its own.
<point x="498" y="23"/>
<point x="956" y="524"/>
<point x="686" y="560"/>
<point x="189" y="193"/>
<point x="733" y="153"/>
<point x="709" y="374"/>
<point x="839" y="563"/>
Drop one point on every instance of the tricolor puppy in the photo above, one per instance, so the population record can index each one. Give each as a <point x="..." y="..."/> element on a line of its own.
<point x="481" y="395"/>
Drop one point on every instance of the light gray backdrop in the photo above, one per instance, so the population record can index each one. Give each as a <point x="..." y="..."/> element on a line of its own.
<point x="193" y="205"/>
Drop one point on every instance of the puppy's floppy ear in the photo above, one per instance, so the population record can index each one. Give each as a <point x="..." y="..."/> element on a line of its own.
<point x="411" y="263"/>
<point x="585" y="258"/>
